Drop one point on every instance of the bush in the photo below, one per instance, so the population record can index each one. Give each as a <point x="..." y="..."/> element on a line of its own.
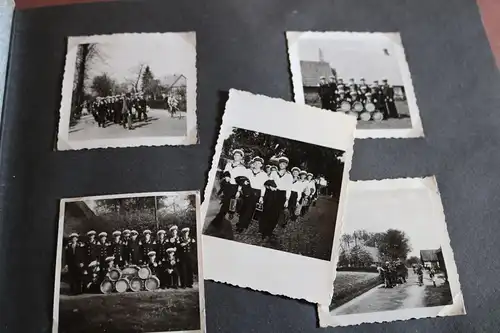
<point x="357" y="269"/>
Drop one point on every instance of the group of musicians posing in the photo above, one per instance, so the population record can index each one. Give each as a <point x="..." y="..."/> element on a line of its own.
<point x="393" y="273"/>
<point x="170" y="258"/>
<point x="276" y="193"/>
<point x="334" y="91"/>
<point x="118" y="109"/>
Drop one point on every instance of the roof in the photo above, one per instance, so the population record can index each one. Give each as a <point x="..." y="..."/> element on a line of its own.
<point x="429" y="255"/>
<point x="312" y="71"/>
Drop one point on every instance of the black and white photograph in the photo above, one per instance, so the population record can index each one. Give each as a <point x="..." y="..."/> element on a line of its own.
<point x="364" y="75"/>
<point x="277" y="193"/>
<point x="274" y="196"/>
<point x="127" y="90"/>
<point x="395" y="260"/>
<point x="129" y="263"/>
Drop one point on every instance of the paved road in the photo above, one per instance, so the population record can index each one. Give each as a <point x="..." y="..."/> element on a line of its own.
<point x="406" y="296"/>
<point x="159" y="123"/>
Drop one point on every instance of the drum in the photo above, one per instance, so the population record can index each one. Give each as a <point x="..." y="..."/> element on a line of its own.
<point x="130" y="271"/>
<point x="353" y="113"/>
<point x="257" y="212"/>
<point x="136" y="284"/>
<point x="114" y="274"/>
<point x="232" y="205"/>
<point x="370" y="107"/>
<point x="122" y="285"/>
<point x="107" y="286"/>
<point x="144" y="272"/>
<point x="345" y="106"/>
<point x="152" y="283"/>
<point x="365" y="116"/>
<point x="377" y="116"/>
<point x="358" y="106"/>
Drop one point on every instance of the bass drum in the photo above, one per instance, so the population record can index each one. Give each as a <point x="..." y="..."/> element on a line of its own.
<point x="136" y="284"/>
<point x="377" y="116"/>
<point x="114" y="274"/>
<point x="358" y="106"/>
<point x="365" y="116"/>
<point x="107" y="286"/>
<point x="122" y="285"/>
<point x="353" y="113"/>
<point x="152" y="283"/>
<point x="144" y="272"/>
<point x="370" y="107"/>
<point x="130" y="271"/>
<point x="345" y="106"/>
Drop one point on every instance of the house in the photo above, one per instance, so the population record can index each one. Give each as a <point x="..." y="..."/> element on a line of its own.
<point x="432" y="258"/>
<point x="311" y="72"/>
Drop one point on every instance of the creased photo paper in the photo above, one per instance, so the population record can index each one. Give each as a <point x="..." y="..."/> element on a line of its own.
<point x="128" y="90"/>
<point x="130" y="263"/>
<point x="362" y="74"/>
<point x="395" y="260"/>
<point x="275" y="194"/>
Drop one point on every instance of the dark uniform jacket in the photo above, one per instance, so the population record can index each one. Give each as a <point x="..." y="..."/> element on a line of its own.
<point x="91" y="251"/>
<point x="147" y="247"/>
<point x="153" y="266"/>
<point x="170" y="265"/>
<point x="186" y="248"/>
<point x="74" y="255"/>
<point x="133" y="253"/>
<point x="161" y="250"/>
<point x="102" y="252"/>
<point x="116" y="250"/>
<point x="323" y="90"/>
<point x="173" y="243"/>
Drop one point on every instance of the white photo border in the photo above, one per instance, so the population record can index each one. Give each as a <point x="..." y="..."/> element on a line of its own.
<point x="226" y="261"/>
<point x="199" y="226"/>
<point x="63" y="141"/>
<point x="458" y="306"/>
<point x="293" y="38"/>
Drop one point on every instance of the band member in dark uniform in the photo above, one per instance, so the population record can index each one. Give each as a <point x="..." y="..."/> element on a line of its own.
<point x="173" y="239"/>
<point x="363" y="86"/>
<point x="171" y="269"/>
<point x="235" y="169"/>
<point x="147" y="245"/>
<point x="125" y="237"/>
<point x="296" y="190"/>
<point x="186" y="253"/>
<point x="102" y="249"/>
<point x="161" y="255"/>
<point x="74" y="258"/>
<point x="388" y="92"/>
<point x="101" y="113"/>
<point x="141" y="108"/>
<point x="274" y="211"/>
<point x="133" y="249"/>
<point x="332" y="93"/>
<point x="108" y="266"/>
<point x="90" y="247"/>
<point x="116" y="249"/>
<point x="269" y="209"/>
<point x="127" y="112"/>
<point x="255" y="195"/>
<point x="323" y="91"/>
<point x="352" y="85"/>
<point x="152" y="263"/>
<point x="117" y="110"/>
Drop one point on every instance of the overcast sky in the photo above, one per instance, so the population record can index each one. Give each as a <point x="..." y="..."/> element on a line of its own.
<point x="355" y="58"/>
<point x="165" y="54"/>
<point x="405" y="210"/>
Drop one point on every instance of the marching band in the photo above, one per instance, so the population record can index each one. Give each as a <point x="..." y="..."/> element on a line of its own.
<point x="88" y="262"/>
<point x="375" y="102"/>
<point x="271" y="196"/>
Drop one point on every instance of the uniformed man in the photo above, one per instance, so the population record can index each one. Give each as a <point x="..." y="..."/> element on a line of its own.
<point x="311" y="189"/>
<point x="115" y="249"/>
<point x="74" y="258"/>
<point x="101" y="113"/>
<point x="171" y="269"/>
<point x="161" y="255"/>
<point x="125" y="236"/>
<point x="141" y="108"/>
<point x="102" y="249"/>
<point x="173" y="239"/>
<point x="275" y="212"/>
<point x="147" y="245"/>
<point x="152" y="263"/>
<point x="187" y="252"/>
<point x="235" y="169"/>
<point x="363" y="85"/>
<point x="133" y="255"/>
<point x="323" y="91"/>
<point x="352" y="85"/>
<point x="257" y="177"/>
<point x="90" y="247"/>
<point x="332" y="93"/>
<point x="127" y="112"/>
<point x="388" y="93"/>
<point x="297" y="188"/>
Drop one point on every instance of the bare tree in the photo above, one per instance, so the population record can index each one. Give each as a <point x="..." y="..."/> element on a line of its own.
<point x="84" y="56"/>
<point x="137" y="71"/>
